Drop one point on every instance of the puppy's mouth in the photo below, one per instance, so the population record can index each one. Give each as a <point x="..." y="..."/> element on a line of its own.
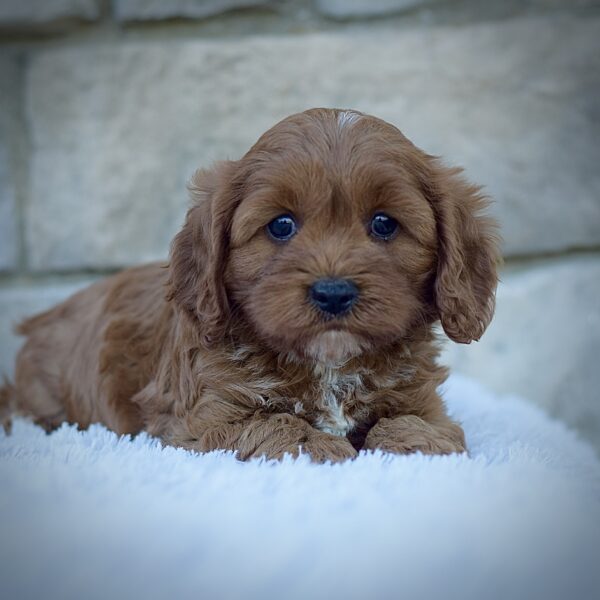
<point x="334" y="347"/>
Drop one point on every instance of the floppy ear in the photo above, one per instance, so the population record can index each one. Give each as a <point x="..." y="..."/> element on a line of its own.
<point x="199" y="252"/>
<point x="468" y="254"/>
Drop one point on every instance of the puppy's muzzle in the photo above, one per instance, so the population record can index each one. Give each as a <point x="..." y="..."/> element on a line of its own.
<point x="333" y="296"/>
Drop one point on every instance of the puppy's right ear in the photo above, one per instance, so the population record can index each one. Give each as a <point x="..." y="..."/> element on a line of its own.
<point x="200" y="250"/>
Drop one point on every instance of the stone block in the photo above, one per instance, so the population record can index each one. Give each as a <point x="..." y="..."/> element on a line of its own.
<point x="351" y="9"/>
<point x="544" y="341"/>
<point x="151" y="10"/>
<point x="8" y="220"/>
<point x="11" y="140"/>
<point x="33" y="13"/>
<point x="117" y="129"/>
<point x="443" y="11"/>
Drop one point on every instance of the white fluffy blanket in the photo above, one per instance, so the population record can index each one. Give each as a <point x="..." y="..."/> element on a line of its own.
<point x="90" y="515"/>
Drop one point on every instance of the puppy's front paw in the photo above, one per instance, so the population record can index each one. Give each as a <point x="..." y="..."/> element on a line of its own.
<point x="323" y="447"/>
<point x="409" y="433"/>
<point x="282" y="434"/>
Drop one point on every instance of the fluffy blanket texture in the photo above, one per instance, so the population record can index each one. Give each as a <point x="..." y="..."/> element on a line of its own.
<point x="90" y="515"/>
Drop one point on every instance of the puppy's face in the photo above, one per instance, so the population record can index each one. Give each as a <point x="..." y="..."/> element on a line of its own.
<point x="333" y="244"/>
<point x="335" y="236"/>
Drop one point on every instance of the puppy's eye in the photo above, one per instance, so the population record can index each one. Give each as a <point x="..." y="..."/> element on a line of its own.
<point x="383" y="226"/>
<point x="282" y="228"/>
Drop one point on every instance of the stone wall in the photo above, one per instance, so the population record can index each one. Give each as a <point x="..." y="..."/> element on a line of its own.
<point x="106" y="108"/>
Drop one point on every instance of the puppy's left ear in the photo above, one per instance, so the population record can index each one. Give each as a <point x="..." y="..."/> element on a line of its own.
<point x="468" y="254"/>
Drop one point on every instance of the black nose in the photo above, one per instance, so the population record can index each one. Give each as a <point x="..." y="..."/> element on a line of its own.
<point x="333" y="296"/>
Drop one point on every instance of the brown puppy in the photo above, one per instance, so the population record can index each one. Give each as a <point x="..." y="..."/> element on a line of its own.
<point x="296" y="312"/>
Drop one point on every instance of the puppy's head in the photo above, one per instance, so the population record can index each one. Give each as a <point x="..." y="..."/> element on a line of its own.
<point x="332" y="236"/>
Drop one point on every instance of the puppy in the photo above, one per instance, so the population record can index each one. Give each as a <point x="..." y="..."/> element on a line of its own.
<point x="296" y="312"/>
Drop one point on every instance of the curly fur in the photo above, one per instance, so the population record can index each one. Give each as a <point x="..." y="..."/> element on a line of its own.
<point x="221" y="348"/>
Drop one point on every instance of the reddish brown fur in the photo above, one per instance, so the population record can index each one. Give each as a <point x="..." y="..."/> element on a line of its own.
<point x="234" y="356"/>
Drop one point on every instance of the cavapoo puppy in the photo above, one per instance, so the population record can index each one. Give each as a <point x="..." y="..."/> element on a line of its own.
<point x="296" y="312"/>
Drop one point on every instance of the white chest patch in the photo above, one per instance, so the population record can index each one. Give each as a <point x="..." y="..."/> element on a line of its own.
<point x="334" y="389"/>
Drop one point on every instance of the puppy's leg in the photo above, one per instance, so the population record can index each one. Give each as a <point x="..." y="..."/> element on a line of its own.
<point x="37" y="392"/>
<point x="269" y="436"/>
<point x="409" y="433"/>
<point x="273" y="436"/>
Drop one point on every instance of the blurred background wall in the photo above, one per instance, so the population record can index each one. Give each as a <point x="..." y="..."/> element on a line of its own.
<point x="106" y="108"/>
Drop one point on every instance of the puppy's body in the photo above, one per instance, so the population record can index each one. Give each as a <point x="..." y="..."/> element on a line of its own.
<point x="114" y="353"/>
<point x="227" y="346"/>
